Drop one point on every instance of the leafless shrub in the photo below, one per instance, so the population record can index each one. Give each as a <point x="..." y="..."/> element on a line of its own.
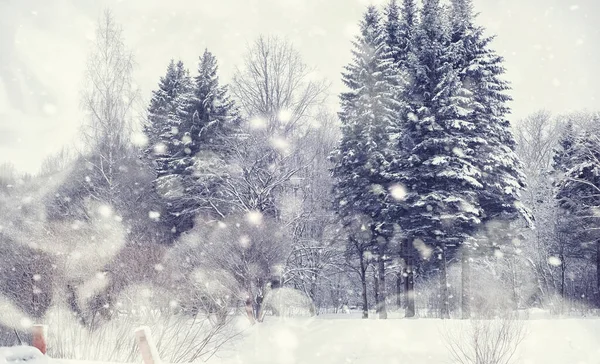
<point x="178" y="338"/>
<point x="492" y="341"/>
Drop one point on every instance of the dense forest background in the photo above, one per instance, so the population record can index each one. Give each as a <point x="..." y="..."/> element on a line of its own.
<point x="419" y="196"/>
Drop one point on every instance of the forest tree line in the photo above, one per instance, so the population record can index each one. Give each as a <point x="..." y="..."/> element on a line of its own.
<point x="420" y="195"/>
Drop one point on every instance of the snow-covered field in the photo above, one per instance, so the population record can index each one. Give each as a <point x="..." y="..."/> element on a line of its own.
<point x="348" y="339"/>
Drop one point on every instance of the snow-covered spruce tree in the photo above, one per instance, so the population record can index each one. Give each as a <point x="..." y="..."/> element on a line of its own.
<point x="214" y="130"/>
<point x="213" y="110"/>
<point x="564" y="155"/>
<point x="400" y="27"/>
<point x="168" y="116"/>
<point x="440" y="165"/>
<point x="191" y="121"/>
<point x="578" y="193"/>
<point x="480" y="70"/>
<point x="165" y="113"/>
<point x="368" y="110"/>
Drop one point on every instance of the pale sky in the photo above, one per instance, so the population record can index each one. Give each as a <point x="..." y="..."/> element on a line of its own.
<point x="552" y="50"/>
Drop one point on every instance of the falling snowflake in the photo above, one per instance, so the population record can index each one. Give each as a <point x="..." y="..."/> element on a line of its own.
<point x="398" y="192"/>
<point x="139" y="140"/>
<point x="244" y="241"/>
<point x="26" y="323"/>
<point x="105" y="210"/>
<point x="254" y="217"/>
<point x="280" y="144"/>
<point x="154" y="215"/>
<point x="284" y="115"/>
<point x="424" y="251"/>
<point x="160" y="148"/>
<point x="554" y="261"/>
<point x="257" y="123"/>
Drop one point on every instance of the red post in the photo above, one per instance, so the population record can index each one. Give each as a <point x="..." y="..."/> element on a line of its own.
<point x="146" y="346"/>
<point x="39" y="337"/>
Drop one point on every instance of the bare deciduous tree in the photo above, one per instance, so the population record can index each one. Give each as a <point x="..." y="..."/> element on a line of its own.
<point x="275" y="84"/>
<point x="486" y="341"/>
<point x="108" y="100"/>
<point x="58" y="162"/>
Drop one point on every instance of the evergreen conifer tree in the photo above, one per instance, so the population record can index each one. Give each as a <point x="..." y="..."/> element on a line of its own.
<point x="368" y="110"/>
<point x="480" y="70"/>
<point x="190" y="125"/>
<point x="440" y="166"/>
<point x="578" y="191"/>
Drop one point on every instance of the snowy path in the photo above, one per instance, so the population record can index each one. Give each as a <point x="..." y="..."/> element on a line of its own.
<point x="355" y="341"/>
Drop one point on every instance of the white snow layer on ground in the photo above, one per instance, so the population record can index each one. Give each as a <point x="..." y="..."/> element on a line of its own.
<point x="348" y="339"/>
<point x="21" y="355"/>
<point x="325" y="340"/>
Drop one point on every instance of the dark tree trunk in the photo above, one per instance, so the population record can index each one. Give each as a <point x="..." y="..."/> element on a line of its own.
<point x="598" y="274"/>
<point x="376" y="289"/>
<point x="399" y="291"/>
<point x="74" y="304"/>
<point x="314" y="307"/>
<point x="250" y="309"/>
<point x="563" y="270"/>
<point x="444" y="296"/>
<point x="381" y="305"/>
<point x="363" y="281"/>
<point x="409" y="287"/>
<point x="465" y="284"/>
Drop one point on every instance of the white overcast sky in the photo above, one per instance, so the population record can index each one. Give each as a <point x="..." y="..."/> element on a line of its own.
<point x="552" y="51"/>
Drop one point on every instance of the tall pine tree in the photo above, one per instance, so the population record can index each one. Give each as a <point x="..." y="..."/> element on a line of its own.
<point x="167" y="113"/>
<point x="578" y="162"/>
<point x="439" y="167"/>
<point x="400" y="27"/>
<point x="480" y="70"/>
<point x="368" y="110"/>
<point x="191" y="123"/>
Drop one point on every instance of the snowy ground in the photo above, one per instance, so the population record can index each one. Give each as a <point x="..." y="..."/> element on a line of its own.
<point x="348" y="339"/>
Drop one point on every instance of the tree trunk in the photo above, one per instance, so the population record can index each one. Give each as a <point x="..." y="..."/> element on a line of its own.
<point x="514" y="280"/>
<point x="315" y="306"/>
<point x="409" y="282"/>
<point x="598" y="274"/>
<point x="444" y="296"/>
<point x="74" y="305"/>
<point x="399" y="291"/>
<point x="249" y="309"/>
<point x="409" y="291"/>
<point x="376" y="289"/>
<point x="381" y="305"/>
<point x="563" y="269"/>
<point x="363" y="281"/>
<point x="465" y="284"/>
